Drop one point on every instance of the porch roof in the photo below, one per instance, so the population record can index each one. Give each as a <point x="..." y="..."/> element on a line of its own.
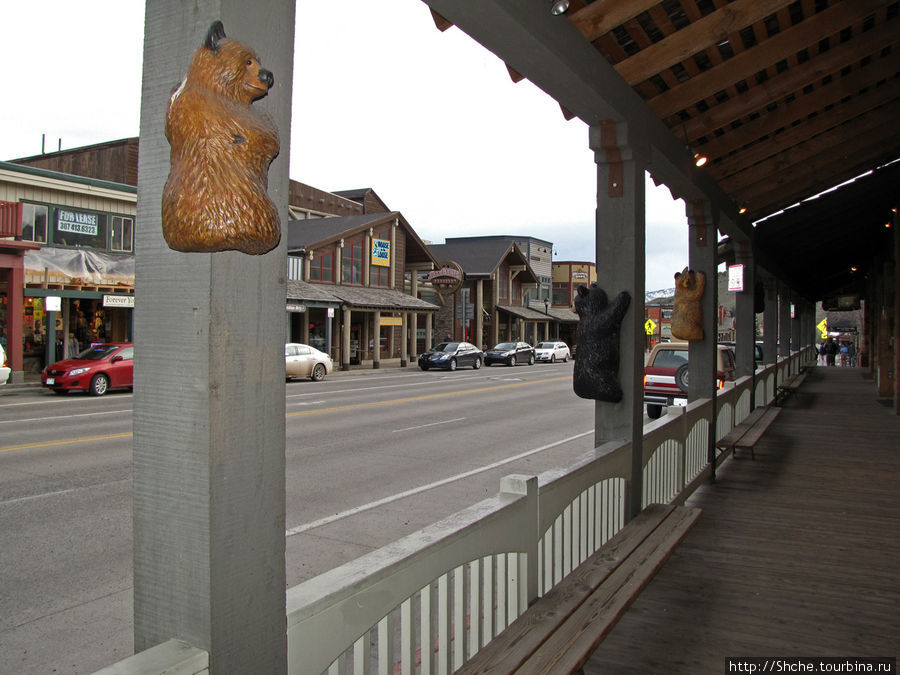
<point x="357" y="297"/>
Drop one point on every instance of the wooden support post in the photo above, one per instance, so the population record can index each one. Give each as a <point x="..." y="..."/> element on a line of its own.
<point x="620" y="251"/>
<point x="745" y="314"/>
<point x="703" y="356"/>
<point x="209" y="406"/>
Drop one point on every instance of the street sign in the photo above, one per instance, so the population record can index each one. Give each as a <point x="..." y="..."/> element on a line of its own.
<point x="650" y="326"/>
<point x="823" y="328"/>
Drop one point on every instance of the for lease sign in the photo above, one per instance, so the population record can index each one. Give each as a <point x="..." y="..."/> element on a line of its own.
<point x="77" y="222"/>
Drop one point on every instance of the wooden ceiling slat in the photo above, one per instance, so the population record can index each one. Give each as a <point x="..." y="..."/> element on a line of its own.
<point x="791" y="81"/>
<point x="819" y="165"/>
<point x="601" y="16"/>
<point x="800" y="109"/>
<point x="765" y="54"/>
<point x="702" y="34"/>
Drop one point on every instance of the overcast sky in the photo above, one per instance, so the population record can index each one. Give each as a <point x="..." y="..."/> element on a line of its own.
<point x="431" y="121"/>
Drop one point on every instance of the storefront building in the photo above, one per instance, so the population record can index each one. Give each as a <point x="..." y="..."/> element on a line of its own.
<point x="66" y="264"/>
<point x="568" y="275"/>
<point x="489" y="306"/>
<point x="353" y="288"/>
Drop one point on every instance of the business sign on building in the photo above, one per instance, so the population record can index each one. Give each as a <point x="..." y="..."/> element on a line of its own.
<point x="381" y="252"/>
<point x="447" y="278"/>
<point x="118" y="301"/>
<point x="736" y="278"/>
<point x="79" y="228"/>
<point x="391" y="321"/>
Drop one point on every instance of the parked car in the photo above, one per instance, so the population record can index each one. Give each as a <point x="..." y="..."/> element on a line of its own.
<point x="4" y="368"/>
<point x="666" y="375"/>
<point x="304" y="361"/>
<point x="452" y="355"/>
<point x="510" y="353"/>
<point x="552" y="352"/>
<point x="96" y="370"/>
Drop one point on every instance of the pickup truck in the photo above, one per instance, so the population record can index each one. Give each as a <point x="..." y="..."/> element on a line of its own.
<point x="666" y="375"/>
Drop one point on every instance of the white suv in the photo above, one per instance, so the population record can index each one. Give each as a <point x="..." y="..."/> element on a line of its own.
<point x="552" y="352"/>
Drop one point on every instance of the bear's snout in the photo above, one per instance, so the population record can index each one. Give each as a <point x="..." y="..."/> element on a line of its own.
<point x="266" y="77"/>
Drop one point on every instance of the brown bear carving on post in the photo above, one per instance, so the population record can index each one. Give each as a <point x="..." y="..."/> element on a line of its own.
<point x="687" y="312"/>
<point x="216" y="197"/>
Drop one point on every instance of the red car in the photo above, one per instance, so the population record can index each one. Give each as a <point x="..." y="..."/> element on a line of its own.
<point x="96" y="370"/>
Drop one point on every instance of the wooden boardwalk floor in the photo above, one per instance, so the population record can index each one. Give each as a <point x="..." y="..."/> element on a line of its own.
<point x="796" y="553"/>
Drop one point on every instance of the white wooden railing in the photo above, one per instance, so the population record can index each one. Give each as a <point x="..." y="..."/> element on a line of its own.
<point x="428" y="602"/>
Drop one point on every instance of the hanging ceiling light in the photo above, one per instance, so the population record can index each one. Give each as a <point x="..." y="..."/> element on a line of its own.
<point x="700" y="160"/>
<point x="559" y="7"/>
<point x="742" y="210"/>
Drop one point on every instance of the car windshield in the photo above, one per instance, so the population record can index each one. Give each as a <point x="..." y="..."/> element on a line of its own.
<point x="506" y="345"/>
<point x="546" y="345"/>
<point x="447" y="347"/>
<point x="96" y="353"/>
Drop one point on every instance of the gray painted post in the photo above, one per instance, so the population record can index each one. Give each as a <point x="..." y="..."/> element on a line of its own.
<point x="620" y="251"/>
<point x="208" y="466"/>
<point x="745" y="314"/>
<point x="784" y="320"/>
<point x="702" y="355"/>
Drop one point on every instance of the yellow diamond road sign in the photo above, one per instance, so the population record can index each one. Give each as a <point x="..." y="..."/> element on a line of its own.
<point x="650" y="326"/>
<point x="823" y="328"/>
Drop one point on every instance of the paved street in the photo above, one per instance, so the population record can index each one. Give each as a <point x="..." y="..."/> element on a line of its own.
<point x="371" y="457"/>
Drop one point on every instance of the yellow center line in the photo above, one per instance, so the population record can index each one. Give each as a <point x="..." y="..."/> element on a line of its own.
<point x="424" y="397"/>
<point x="67" y="441"/>
<point x="351" y="406"/>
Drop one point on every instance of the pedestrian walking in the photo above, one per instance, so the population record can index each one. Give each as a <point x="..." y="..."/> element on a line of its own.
<point x="830" y="349"/>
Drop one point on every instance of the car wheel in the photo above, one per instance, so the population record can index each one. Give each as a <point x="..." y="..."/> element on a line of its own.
<point x="566" y="358"/>
<point x="682" y="377"/>
<point x="654" y="411"/>
<point x="531" y="360"/>
<point x="99" y="384"/>
<point x="553" y="358"/>
<point x="423" y="367"/>
<point x="452" y="364"/>
<point x="512" y="360"/>
<point x="318" y="373"/>
<point x="477" y="364"/>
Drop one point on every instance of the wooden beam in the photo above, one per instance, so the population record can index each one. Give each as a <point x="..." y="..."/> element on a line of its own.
<point x="792" y="136"/>
<point x="791" y="81"/>
<point x="822" y="167"/>
<point x="601" y="16"/>
<point x="798" y="110"/>
<point x="767" y="53"/>
<point x="700" y="35"/>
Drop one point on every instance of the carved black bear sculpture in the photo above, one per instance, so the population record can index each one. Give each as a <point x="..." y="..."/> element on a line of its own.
<point x="597" y="363"/>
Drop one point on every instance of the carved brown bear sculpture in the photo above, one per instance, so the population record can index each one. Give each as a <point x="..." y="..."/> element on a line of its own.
<point x="216" y="198"/>
<point x="597" y="364"/>
<point x="687" y="313"/>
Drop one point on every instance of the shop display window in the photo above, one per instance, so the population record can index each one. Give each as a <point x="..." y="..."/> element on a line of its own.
<point x="503" y="290"/>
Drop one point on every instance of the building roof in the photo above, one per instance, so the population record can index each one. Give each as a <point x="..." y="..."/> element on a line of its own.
<point x="481" y="258"/>
<point x="306" y="234"/>
<point x="356" y="297"/>
<point x="526" y="313"/>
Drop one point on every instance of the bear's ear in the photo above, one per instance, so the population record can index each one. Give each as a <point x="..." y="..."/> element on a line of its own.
<point x="582" y="290"/>
<point x="216" y="33"/>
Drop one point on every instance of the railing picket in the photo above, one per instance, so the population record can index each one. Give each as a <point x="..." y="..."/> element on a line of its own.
<point x="361" y="655"/>
<point x="459" y="632"/>
<point x="501" y="592"/>
<point x="426" y="630"/>
<point x="386" y="629"/>
<point x="476" y="609"/>
<point x="407" y="643"/>
<point x="487" y="628"/>
<point x="443" y="648"/>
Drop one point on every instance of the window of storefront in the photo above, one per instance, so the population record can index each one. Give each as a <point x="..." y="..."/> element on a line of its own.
<point x="34" y="223"/>
<point x="503" y="290"/>
<point x="121" y="234"/>
<point x="321" y="268"/>
<point x="79" y="228"/>
<point x="352" y="263"/>
<point x="561" y="293"/>
<point x="380" y="274"/>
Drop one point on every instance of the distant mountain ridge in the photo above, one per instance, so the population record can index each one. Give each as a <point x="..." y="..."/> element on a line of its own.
<point x="662" y="293"/>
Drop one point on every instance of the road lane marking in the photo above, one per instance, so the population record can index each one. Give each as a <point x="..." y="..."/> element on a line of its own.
<point x="433" y="424"/>
<point x="425" y="397"/>
<point x="65" y="417"/>
<point x="300" y="529"/>
<point x="352" y="406"/>
<point x="65" y="441"/>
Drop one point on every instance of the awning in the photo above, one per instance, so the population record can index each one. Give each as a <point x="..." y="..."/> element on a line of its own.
<point x="356" y="297"/>
<point x="525" y="313"/>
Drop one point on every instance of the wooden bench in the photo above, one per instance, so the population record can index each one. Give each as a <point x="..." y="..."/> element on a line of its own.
<point x="560" y="631"/>
<point x="788" y="387"/>
<point x="746" y="434"/>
